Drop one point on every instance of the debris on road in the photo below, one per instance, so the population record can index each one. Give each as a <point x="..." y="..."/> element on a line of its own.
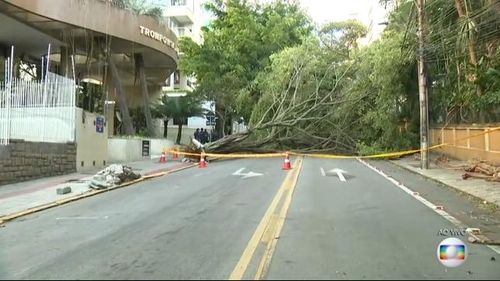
<point x="113" y="175"/>
<point x="194" y="148"/>
<point x="63" y="190"/>
<point x="484" y="241"/>
<point x="474" y="168"/>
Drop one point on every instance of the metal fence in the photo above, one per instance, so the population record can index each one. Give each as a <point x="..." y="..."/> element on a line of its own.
<point x="42" y="111"/>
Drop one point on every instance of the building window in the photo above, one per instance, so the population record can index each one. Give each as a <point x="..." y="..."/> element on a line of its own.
<point x="173" y="24"/>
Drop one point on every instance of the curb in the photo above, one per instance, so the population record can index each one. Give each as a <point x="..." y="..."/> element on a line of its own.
<point x="394" y="162"/>
<point x="6" y="218"/>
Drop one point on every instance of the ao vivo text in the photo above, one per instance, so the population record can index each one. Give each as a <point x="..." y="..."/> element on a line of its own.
<point x="452" y="232"/>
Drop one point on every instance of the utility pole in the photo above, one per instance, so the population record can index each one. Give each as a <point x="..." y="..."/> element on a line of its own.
<point x="422" y="89"/>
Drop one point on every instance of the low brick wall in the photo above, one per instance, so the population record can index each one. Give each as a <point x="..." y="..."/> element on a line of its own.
<point x="21" y="160"/>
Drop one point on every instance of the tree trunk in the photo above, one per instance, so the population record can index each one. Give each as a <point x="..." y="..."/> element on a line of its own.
<point x="126" y="119"/>
<point x="179" y="133"/>
<point x="472" y="53"/>
<point x="219" y="121"/>
<point x="165" y="128"/>
<point x="139" y="64"/>
<point x="229" y="125"/>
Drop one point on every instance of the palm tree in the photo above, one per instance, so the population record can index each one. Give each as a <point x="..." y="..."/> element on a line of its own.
<point x="178" y="109"/>
<point x="163" y="110"/>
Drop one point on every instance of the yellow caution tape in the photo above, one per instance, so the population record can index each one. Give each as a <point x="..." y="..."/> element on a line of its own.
<point x="331" y="156"/>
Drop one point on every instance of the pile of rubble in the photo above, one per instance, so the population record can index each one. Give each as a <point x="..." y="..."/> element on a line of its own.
<point x="194" y="148"/>
<point x="475" y="168"/>
<point x="113" y="175"/>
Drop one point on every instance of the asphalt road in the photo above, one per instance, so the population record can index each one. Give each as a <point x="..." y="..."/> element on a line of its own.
<point x="210" y="224"/>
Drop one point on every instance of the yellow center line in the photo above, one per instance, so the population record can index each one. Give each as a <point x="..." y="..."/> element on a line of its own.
<point x="271" y="246"/>
<point x="288" y="185"/>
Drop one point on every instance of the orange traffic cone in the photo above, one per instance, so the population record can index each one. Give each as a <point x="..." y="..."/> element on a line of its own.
<point x="175" y="155"/>
<point x="286" y="164"/>
<point x="203" y="164"/>
<point x="163" y="158"/>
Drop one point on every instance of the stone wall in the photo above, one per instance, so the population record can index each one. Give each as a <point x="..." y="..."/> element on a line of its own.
<point x="21" y="160"/>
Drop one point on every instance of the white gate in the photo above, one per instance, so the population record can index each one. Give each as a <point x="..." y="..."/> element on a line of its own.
<point x="41" y="111"/>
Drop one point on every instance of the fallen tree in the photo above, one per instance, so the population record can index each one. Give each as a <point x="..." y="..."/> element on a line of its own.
<point x="301" y="108"/>
<point x="323" y="96"/>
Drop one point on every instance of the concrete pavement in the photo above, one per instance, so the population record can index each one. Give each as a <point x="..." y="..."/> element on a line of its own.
<point x="365" y="228"/>
<point x="456" y="201"/>
<point x="191" y="224"/>
<point x="481" y="189"/>
<point x="211" y="224"/>
<point x="21" y="196"/>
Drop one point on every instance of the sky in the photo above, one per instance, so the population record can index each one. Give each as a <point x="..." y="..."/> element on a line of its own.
<point x="322" y="11"/>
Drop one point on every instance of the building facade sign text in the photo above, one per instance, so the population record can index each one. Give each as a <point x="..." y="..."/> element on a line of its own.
<point x="158" y="36"/>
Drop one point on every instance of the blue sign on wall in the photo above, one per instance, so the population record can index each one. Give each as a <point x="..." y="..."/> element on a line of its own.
<point x="99" y="124"/>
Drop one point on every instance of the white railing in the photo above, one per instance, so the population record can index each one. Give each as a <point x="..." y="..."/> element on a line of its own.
<point x="42" y="111"/>
<point x="5" y="101"/>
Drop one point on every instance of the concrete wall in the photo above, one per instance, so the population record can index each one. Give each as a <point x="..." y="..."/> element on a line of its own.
<point x="186" y="134"/>
<point x="21" y="161"/>
<point x="92" y="147"/>
<point x="485" y="146"/>
<point x="51" y="124"/>
<point x="130" y="149"/>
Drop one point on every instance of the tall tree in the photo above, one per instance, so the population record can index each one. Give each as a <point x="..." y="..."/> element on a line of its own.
<point x="237" y="46"/>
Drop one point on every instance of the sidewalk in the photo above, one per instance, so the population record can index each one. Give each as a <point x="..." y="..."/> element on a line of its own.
<point x="481" y="189"/>
<point x="21" y="196"/>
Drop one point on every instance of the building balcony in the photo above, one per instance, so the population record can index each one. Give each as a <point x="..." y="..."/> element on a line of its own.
<point x="183" y="32"/>
<point x="180" y="11"/>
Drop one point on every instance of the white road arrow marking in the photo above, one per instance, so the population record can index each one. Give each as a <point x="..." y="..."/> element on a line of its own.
<point x="340" y="173"/>
<point x="323" y="173"/>
<point x="246" y="175"/>
<point x="238" y="173"/>
<point x="252" y="174"/>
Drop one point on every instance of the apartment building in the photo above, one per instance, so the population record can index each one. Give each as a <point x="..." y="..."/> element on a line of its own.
<point x="186" y="18"/>
<point x="375" y="16"/>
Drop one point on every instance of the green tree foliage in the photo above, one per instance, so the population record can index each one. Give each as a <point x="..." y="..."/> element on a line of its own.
<point x="237" y="46"/>
<point x="329" y="92"/>
<point x="141" y="7"/>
